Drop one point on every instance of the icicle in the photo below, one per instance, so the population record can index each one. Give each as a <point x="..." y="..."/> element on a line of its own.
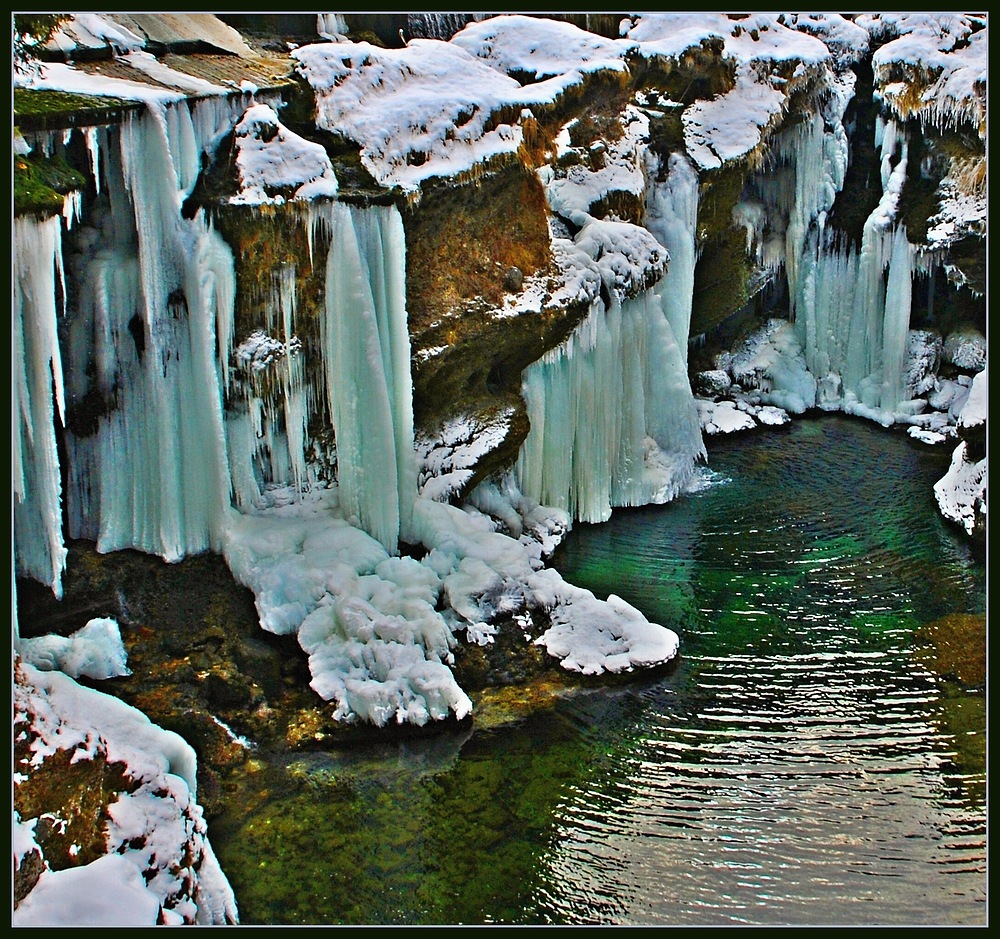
<point x="896" y="322"/>
<point x="38" y="542"/>
<point x="366" y="355"/>
<point x="672" y="216"/>
<point x="94" y="152"/>
<point x="613" y="421"/>
<point x="331" y="26"/>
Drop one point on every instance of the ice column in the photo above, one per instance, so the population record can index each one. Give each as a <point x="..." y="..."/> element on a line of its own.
<point x="613" y="421"/>
<point x="852" y="321"/>
<point x="267" y="430"/>
<point x="37" y="379"/>
<point x="153" y="474"/>
<point x="366" y="349"/>
<point x="672" y="217"/>
<point x="896" y="321"/>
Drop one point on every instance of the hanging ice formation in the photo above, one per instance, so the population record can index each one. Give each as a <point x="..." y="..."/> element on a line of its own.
<point x="147" y="463"/>
<point x="851" y="317"/>
<point x="363" y="382"/>
<point x="672" y="216"/>
<point x="366" y="350"/>
<point x="152" y="459"/>
<point x="612" y="416"/>
<point x="853" y="322"/>
<point x="613" y="420"/>
<point x="38" y="373"/>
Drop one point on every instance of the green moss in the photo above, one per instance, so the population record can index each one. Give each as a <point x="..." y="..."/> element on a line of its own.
<point x="40" y="183"/>
<point x="38" y="109"/>
<point x="721" y="280"/>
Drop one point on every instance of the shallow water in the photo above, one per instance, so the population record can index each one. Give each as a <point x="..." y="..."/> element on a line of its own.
<point x="808" y="761"/>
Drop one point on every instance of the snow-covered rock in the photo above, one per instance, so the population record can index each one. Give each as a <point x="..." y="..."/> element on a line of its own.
<point x="272" y="160"/>
<point x="965" y="348"/>
<point x="156" y="864"/>
<point x="961" y="492"/>
<point x="93" y="651"/>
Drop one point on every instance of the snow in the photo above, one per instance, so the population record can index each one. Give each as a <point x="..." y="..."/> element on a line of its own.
<point x="930" y="437"/>
<point x="976" y="406"/>
<point x="961" y="212"/>
<point x="591" y="636"/>
<point x="732" y="124"/>
<point x="93" y="651"/>
<point x="845" y="39"/>
<point x="379" y="629"/>
<point x="723" y="417"/>
<point x="270" y="156"/>
<point x="149" y="65"/>
<point x="394" y="102"/>
<point x="107" y="892"/>
<point x="443" y="109"/>
<point x="541" y="48"/>
<point x="93" y="31"/>
<point x="944" y="55"/>
<point x="156" y="829"/>
<point x="965" y="348"/>
<point x="422" y="111"/>
<point x="573" y="191"/>
<point x="448" y="458"/>
<point x="58" y="76"/>
<point x="961" y="492"/>
<point x="628" y="257"/>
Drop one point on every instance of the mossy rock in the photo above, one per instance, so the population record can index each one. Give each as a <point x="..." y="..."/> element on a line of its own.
<point x="41" y="184"/>
<point x="699" y="73"/>
<point x="44" y="109"/>
<point x="195" y="647"/>
<point x="461" y="240"/>
<point x="70" y="798"/>
<point x="721" y="281"/>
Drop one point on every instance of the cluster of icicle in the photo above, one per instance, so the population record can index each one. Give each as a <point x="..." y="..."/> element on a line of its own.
<point x="174" y="456"/>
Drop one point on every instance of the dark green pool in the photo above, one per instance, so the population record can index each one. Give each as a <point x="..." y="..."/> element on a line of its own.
<point x="817" y="756"/>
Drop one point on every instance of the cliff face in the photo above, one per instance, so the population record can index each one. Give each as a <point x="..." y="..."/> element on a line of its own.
<point x="292" y="290"/>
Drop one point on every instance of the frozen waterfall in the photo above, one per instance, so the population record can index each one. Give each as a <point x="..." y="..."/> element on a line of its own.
<point x="613" y="420"/>
<point x="672" y="217"/>
<point x="852" y="317"/>
<point x="148" y="468"/>
<point x="366" y="350"/>
<point x="37" y="379"/>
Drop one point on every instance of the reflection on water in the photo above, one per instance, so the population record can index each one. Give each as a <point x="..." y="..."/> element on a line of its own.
<point x="809" y="760"/>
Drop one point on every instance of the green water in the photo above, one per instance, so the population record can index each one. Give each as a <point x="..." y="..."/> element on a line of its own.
<point x="807" y="761"/>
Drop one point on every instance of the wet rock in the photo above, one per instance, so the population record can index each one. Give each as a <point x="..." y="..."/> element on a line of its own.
<point x="26" y="874"/>
<point x="513" y="280"/>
